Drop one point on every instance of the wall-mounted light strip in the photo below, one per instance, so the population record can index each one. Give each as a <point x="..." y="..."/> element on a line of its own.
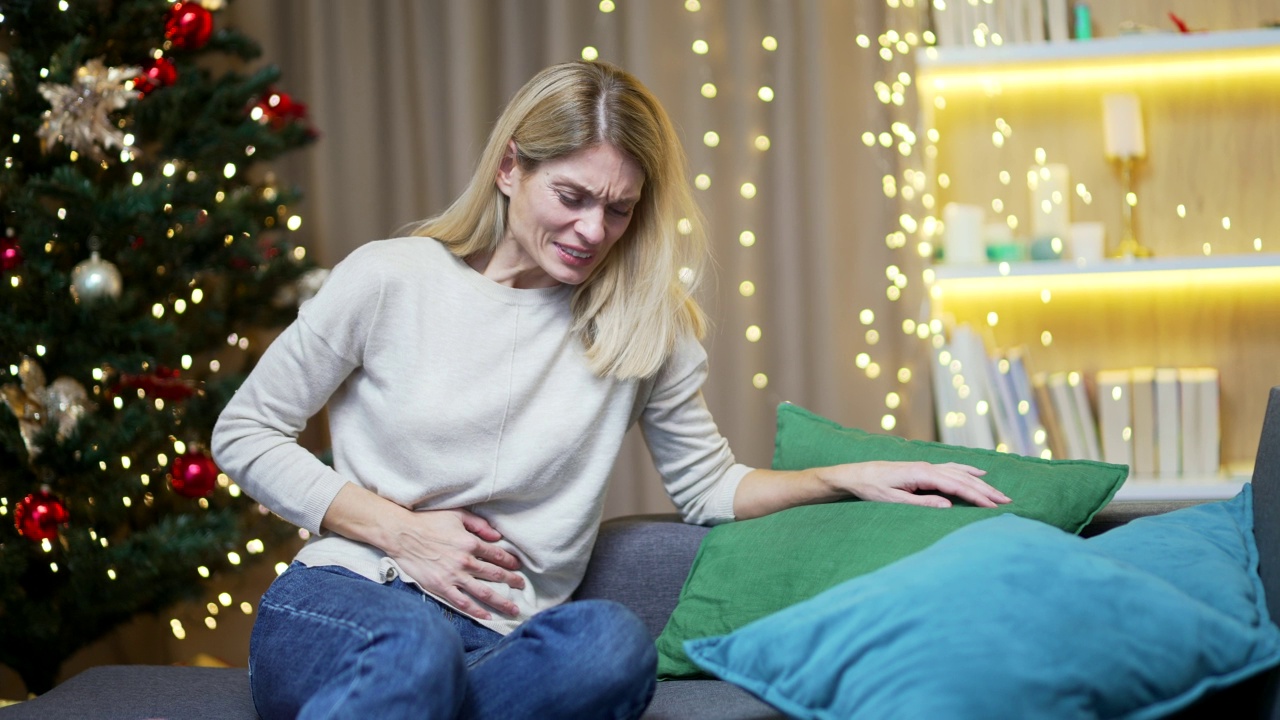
<point x="1156" y="59"/>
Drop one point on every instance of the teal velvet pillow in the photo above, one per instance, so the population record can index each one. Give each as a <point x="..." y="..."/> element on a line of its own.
<point x="746" y="570"/>
<point x="1013" y="618"/>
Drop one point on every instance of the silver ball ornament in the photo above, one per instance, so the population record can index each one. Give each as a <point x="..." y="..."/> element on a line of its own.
<point x="95" y="279"/>
<point x="65" y="402"/>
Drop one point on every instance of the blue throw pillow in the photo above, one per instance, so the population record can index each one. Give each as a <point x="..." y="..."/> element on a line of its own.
<point x="1010" y="617"/>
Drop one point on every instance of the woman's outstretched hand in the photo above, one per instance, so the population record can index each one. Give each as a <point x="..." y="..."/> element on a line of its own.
<point x="767" y="491"/>
<point x="902" y="482"/>
<point x="446" y="552"/>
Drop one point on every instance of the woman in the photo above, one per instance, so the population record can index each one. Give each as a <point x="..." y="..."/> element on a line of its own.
<point x="480" y="378"/>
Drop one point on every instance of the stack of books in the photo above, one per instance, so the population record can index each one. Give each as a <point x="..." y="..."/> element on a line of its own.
<point x="1161" y="422"/>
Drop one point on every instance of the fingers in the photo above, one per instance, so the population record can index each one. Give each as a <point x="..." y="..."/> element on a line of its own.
<point x="488" y="571"/>
<point x="461" y="596"/>
<point x="906" y="498"/>
<point x="460" y="581"/>
<point x="979" y="472"/>
<point x="962" y="482"/>
<point x="496" y="555"/>
<point x="491" y="598"/>
<point x="478" y="526"/>
<point x="481" y="528"/>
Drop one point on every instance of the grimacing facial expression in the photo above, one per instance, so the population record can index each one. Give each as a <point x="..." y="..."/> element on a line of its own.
<point x="564" y="215"/>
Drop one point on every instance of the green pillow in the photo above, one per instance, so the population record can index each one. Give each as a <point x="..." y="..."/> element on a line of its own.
<point x="746" y="570"/>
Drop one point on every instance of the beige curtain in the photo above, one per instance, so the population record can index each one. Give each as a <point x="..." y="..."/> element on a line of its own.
<point x="404" y="92"/>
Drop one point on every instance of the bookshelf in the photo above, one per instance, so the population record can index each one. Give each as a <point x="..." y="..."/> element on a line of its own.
<point x="1209" y="297"/>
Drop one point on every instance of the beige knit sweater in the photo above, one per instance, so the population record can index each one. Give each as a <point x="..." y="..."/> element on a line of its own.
<point x="447" y="390"/>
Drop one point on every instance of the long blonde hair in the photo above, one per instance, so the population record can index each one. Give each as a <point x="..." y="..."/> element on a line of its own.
<point x="631" y="310"/>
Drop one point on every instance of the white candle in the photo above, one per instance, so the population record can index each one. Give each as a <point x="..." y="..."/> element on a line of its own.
<point x="1122" y="126"/>
<point x="1050" y="200"/>
<point x="963" y="234"/>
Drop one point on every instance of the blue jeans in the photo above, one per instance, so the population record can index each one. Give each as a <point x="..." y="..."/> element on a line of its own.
<point x="329" y="643"/>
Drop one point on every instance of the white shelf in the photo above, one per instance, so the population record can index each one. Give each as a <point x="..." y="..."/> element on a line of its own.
<point x="1124" y="47"/>
<point x="1151" y="491"/>
<point x="1034" y="268"/>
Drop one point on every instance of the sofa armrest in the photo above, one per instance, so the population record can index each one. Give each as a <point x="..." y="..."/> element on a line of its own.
<point x="1118" y="513"/>
<point x="641" y="561"/>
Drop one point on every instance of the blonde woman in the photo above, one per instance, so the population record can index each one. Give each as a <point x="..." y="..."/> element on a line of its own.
<point x="480" y="376"/>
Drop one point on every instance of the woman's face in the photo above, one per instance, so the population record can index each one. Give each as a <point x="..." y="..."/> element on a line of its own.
<point x="563" y="216"/>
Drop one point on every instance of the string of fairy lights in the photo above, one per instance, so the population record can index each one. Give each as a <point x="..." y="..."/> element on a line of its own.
<point x="748" y="184"/>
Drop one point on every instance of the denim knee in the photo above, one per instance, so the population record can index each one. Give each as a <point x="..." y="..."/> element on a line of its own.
<point x="589" y="659"/>
<point x="624" y="661"/>
<point x="328" y="646"/>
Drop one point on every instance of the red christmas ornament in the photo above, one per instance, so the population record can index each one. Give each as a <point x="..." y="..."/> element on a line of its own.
<point x="164" y="383"/>
<point x="278" y="109"/>
<point x="156" y="74"/>
<point x="10" y="254"/>
<point x="188" y="26"/>
<point x="193" y="474"/>
<point x="38" y="516"/>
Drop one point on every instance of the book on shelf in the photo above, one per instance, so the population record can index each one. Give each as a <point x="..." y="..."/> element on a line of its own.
<point x="1115" y="416"/>
<point x="1088" y="415"/>
<point x="1189" y="405"/>
<point x="1168" y="424"/>
<point x="1198" y="397"/>
<point x="1075" y="418"/>
<point x="1004" y="411"/>
<point x="1028" y="406"/>
<point x="975" y="387"/>
<point x="1049" y="415"/>
<point x="959" y="391"/>
<point x="1142" y="386"/>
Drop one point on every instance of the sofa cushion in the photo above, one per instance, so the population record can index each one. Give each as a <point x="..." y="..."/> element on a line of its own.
<point x="1013" y="618"/>
<point x="129" y="692"/>
<point x="706" y="700"/>
<point x="746" y="570"/>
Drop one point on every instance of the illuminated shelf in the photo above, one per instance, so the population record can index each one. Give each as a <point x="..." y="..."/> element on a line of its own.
<point x="1253" y="262"/>
<point x="1122" y="49"/>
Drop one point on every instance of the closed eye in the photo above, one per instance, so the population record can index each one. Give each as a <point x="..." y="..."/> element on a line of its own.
<point x="569" y="200"/>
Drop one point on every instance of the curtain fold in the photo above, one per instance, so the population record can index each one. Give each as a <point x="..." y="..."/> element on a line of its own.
<point x="404" y="93"/>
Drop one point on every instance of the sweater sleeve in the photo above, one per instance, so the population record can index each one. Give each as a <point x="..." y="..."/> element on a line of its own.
<point x="694" y="459"/>
<point x="255" y="440"/>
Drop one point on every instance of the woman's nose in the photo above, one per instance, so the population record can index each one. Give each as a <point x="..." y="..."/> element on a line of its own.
<point x="591" y="225"/>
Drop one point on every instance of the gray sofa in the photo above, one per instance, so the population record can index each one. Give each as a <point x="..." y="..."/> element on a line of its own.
<point x="642" y="561"/>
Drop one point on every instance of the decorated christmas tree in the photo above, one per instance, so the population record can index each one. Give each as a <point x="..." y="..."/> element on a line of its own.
<point x="142" y="239"/>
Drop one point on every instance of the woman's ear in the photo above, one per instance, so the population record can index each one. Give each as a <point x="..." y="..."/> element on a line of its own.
<point x="507" y="169"/>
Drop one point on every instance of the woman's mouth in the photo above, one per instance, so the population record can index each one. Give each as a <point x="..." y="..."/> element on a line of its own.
<point x="574" y="256"/>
